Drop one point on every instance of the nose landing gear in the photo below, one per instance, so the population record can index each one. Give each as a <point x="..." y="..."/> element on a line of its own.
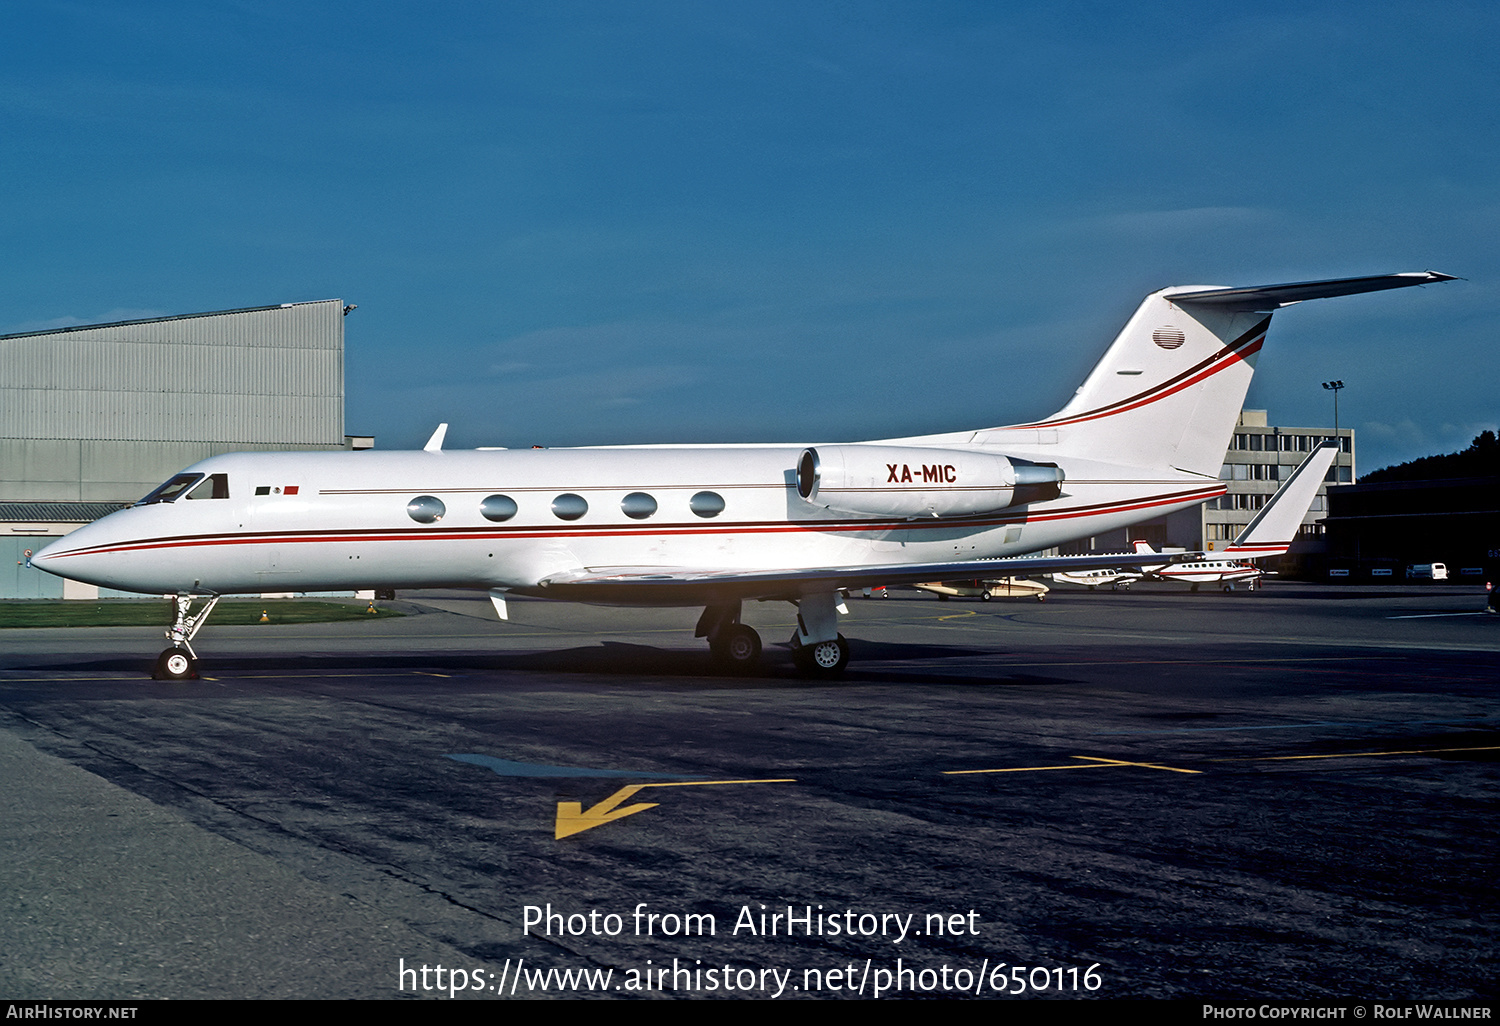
<point x="180" y="662"/>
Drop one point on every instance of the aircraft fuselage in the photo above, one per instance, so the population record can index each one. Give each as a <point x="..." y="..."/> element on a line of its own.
<point x="507" y="519"/>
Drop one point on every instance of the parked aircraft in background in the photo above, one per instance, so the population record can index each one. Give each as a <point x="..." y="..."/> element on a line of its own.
<point x="1270" y="533"/>
<point x="1113" y="577"/>
<point x="715" y="526"/>
<point x="1004" y="588"/>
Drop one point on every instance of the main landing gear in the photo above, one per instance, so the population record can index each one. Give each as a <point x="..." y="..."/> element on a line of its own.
<point x="818" y="649"/>
<point x="735" y="646"/>
<point x="821" y="658"/>
<point x="180" y="662"/>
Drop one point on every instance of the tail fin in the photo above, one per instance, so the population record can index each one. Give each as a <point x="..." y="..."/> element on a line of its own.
<point x="1274" y="527"/>
<point x="1168" y="392"/>
<point x="1144" y="548"/>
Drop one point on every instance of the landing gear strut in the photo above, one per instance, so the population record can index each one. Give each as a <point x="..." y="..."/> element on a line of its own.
<point x="818" y="649"/>
<point x="180" y="662"/>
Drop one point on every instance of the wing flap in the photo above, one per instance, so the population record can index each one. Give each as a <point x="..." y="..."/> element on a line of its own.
<point x="692" y="586"/>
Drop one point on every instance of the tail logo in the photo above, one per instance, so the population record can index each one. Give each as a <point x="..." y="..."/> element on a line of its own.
<point x="1168" y="338"/>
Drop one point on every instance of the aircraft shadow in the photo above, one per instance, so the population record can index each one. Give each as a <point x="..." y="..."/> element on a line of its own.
<point x="873" y="663"/>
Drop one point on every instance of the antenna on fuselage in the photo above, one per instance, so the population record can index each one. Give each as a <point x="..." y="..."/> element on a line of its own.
<point x="435" y="443"/>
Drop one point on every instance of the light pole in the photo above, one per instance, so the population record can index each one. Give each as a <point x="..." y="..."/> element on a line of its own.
<point x="1335" y="387"/>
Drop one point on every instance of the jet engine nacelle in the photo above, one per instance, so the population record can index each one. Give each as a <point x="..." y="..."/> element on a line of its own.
<point x="902" y="481"/>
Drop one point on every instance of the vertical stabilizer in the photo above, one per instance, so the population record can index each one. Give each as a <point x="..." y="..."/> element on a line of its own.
<point x="1168" y="392"/>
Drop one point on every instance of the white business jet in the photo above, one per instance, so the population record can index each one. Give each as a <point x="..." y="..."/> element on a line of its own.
<point x="714" y="526"/>
<point x="1270" y="533"/>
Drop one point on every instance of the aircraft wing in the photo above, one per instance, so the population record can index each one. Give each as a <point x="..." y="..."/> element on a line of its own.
<point x="646" y="585"/>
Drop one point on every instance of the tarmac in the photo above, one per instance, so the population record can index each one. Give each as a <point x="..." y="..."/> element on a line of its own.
<point x="1288" y="794"/>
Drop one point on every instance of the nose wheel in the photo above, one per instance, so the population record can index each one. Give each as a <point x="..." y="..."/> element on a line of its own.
<point x="175" y="664"/>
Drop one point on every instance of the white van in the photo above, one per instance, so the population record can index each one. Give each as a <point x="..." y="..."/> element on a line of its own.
<point x="1427" y="571"/>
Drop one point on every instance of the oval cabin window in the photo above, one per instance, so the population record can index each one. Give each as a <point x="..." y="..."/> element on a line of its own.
<point x="569" y="506"/>
<point x="426" y="509"/>
<point x="638" y="505"/>
<point x="707" y="504"/>
<point x="497" y="508"/>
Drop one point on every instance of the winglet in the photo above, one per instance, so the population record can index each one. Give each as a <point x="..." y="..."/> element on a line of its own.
<point x="435" y="443"/>
<point x="1272" y="530"/>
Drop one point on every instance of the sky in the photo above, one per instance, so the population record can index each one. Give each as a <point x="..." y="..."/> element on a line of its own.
<point x="574" y="223"/>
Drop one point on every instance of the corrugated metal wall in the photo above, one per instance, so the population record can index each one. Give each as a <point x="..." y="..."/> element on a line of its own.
<point x="253" y="378"/>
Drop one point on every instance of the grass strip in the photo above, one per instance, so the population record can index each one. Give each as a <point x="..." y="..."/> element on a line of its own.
<point x="145" y="613"/>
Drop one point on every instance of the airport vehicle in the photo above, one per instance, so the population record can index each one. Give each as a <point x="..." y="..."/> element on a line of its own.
<point x="715" y="526"/>
<point x="1427" y="572"/>
<point x="1269" y="533"/>
<point x="1004" y="588"/>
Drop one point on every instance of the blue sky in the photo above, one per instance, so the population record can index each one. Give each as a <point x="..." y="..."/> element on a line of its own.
<point x="575" y="223"/>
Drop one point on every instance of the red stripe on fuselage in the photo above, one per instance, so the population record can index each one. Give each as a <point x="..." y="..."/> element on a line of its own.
<point x="540" y="531"/>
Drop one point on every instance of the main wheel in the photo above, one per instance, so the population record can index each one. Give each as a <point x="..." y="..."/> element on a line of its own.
<point x="985" y="595"/>
<point x="737" y="648"/>
<point x="822" y="658"/>
<point x="175" y="664"/>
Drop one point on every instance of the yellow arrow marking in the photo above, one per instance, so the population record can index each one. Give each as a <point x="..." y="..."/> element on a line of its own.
<point x="571" y="819"/>
<point x="1094" y="762"/>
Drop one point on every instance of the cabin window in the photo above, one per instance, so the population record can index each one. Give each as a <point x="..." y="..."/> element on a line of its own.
<point x="497" y="508"/>
<point x="638" y="506"/>
<point x="568" y="506"/>
<point x="426" y="509"/>
<point x="170" y="491"/>
<point x="707" y="504"/>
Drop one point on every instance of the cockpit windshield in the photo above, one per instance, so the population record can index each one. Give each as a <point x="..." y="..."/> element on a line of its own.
<point x="214" y="486"/>
<point x="170" y="491"/>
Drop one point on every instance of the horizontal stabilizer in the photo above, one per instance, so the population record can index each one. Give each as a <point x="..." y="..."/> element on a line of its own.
<point x="1273" y="297"/>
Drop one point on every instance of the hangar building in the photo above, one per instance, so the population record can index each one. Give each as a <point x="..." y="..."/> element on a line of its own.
<point x="93" y="417"/>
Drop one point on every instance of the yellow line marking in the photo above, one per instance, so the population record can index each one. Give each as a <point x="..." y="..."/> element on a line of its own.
<point x="957" y="616"/>
<point x="1360" y="755"/>
<point x="1094" y="762"/>
<point x="714" y="783"/>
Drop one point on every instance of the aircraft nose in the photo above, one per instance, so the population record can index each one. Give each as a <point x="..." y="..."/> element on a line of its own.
<point x="46" y="558"/>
